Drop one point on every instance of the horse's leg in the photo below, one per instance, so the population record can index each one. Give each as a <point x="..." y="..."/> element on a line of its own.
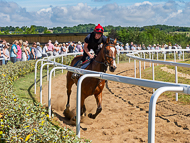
<point x="99" y="104"/>
<point x="83" y="108"/>
<point x="70" y="82"/>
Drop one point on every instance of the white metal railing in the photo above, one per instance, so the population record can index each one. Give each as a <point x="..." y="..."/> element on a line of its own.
<point x="132" y="56"/>
<point x="117" y="78"/>
<point x="161" y="86"/>
<point x="45" y="59"/>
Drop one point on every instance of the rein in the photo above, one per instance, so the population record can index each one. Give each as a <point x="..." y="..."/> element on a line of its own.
<point x="105" y="63"/>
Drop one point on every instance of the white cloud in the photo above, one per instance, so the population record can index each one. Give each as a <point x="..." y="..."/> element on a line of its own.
<point x="143" y="3"/>
<point x="141" y="14"/>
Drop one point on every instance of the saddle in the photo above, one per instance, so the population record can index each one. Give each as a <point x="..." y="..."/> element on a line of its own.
<point x="84" y="64"/>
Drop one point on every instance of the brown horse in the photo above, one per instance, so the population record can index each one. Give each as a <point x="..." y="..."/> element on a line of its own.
<point x="106" y="57"/>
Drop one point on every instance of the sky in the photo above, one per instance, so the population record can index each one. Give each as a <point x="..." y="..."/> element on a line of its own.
<point x="125" y="13"/>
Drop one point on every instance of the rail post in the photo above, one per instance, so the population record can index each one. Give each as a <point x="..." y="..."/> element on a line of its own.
<point x="118" y="58"/>
<point x="139" y="69"/>
<point x="41" y="69"/>
<point x="157" y="57"/>
<point x="135" y="68"/>
<point x="165" y="56"/>
<point x="144" y="62"/>
<point x="35" y="73"/>
<point x="152" y="109"/>
<point x="176" y="81"/>
<point x="153" y="74"/>
<point x="78" y="112"/>
<point x="150" y="57"/>
<point x="49" y="88"/>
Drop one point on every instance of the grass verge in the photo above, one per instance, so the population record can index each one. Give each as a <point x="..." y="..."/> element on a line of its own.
<point x="167" y="77"/>
<point x="24" y="86"/>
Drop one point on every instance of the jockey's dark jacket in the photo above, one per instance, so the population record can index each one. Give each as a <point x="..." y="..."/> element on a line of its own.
<point x="93" y="43"/>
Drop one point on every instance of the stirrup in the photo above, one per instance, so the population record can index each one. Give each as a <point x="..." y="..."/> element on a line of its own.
<point x="75" y="76"/>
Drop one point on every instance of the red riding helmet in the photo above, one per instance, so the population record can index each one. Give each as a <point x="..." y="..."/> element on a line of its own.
<point x="99" y="29"/>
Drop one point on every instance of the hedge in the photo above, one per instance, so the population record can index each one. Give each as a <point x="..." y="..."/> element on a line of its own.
<point x="24" y="122"/>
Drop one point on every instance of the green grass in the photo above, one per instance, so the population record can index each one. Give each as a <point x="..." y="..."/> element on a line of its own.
<point x="24" y="86"/>
<point x="167" y="77"/>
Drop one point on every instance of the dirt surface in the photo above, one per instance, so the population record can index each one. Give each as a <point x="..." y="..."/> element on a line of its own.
<point x="124" y="117"/>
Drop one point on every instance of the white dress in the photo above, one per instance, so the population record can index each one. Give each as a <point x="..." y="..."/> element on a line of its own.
<point x="24" y="58"/>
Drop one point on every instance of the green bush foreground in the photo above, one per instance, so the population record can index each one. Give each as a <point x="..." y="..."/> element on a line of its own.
<point x="21" y="121"/>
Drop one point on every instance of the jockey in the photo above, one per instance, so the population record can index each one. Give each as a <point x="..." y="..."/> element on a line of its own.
<point x="92" y="41"/>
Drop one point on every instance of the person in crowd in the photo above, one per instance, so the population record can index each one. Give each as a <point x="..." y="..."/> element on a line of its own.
<point x="6" y="53"/>
<point x="38" y="51"/>
<point x="33" y="51"/>
<point x="179" y="52"/>
<point x="24" y="52"/>
<point x="71" y="47"/>
<point x="63" y="49"/>
<point x="127" y="46"/>
<point x="79" y="47"/>
<point x="19" y="51"/>
<point x="139" y="47"/>
<point x="1" y="52"/>
<point x="28" y="50"/>
<point x="170" y="47"/>
<point x="75" y="50"/>
<point x="157" y="47"/>
<point x="56" y="49"/>
<point x="162" y="48"/>
<point x="131" y="46"/>
<point x="143" y="47"/>
<point x="117" y="47"/>
<point x="121" y="48"/>
<point x="45" y="50"/>
<point x="153" y="47"/>
<point x="187" y="48"/>
<point x="149" y="46"/>
<point x="13" y="51"/>
<point x="60" y="45"/>
<point x="50" y="47"/>
<point x="67" y="47"/>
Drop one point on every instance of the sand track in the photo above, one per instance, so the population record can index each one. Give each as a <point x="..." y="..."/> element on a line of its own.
<point x="124" y="117"/>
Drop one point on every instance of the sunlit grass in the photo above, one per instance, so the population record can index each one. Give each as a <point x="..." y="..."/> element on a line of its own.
<point x="167" y="77"/>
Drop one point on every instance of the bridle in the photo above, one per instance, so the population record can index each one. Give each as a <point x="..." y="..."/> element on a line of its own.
<point x="105" y="52"/>
<point x="106" y="63"/>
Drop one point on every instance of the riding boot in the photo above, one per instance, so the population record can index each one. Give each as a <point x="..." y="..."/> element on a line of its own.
<point x="75" y="75"/>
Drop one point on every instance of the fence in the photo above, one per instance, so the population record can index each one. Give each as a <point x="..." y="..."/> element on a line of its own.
<point x="161" y="86"/>
<point x="158" y="62"/>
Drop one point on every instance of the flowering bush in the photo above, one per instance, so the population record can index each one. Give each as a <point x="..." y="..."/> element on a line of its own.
<point x="21" y="121"/>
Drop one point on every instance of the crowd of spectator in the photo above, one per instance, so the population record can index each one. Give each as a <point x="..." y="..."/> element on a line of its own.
<point x="21" y="50"/>
<point x="121" y="47"/>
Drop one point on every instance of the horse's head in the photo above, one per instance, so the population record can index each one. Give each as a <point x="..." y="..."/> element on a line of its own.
<point x="110" y="54"/>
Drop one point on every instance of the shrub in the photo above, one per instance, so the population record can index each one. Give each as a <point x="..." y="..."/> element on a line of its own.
<point x="21" y="121"/>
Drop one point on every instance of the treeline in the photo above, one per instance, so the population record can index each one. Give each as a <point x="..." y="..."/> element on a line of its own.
<point x="151" y="36"/>
<point x="84" y="28"/>
<point x="81" y="28"/>
<point x="156" y="34"/>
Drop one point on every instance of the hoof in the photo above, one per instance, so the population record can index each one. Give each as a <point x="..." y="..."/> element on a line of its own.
<point x="74" y="118"/>
<point x="91" y="116"/>
<point x="67" y="114"/>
